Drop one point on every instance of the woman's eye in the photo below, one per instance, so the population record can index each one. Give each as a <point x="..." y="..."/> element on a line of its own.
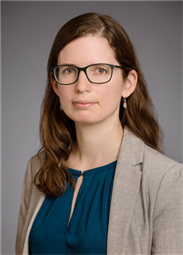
<point x="101" y="71"/>
<point x="68" y="71"/>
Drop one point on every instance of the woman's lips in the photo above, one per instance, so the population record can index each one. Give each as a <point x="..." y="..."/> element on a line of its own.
<point x="83" y="104"/>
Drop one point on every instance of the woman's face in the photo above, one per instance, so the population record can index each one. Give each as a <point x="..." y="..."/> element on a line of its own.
<point x="83" y="101"/>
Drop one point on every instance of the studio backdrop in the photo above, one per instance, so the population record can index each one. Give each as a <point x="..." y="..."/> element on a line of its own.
<point x="28" y="31"/>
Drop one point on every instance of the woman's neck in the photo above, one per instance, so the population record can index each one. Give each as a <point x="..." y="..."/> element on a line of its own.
<point x="96" y="145"/>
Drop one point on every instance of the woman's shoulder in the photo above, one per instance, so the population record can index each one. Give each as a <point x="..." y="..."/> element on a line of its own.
<point x="154" y="164"/>
<point x="134" y="151"/>
<point x="158" y="170"/>
<point x="39" y="156"/>
<point x="157" y="159"/>
<point x="153" y="159"/>
<point x="35" y="162"/>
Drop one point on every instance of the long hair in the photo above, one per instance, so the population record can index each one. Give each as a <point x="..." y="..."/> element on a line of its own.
<point x="57" y="131"/>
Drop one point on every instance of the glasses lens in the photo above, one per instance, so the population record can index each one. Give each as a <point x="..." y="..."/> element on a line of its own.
<point x="99" y="73"/>
<point x="66" y="74"/>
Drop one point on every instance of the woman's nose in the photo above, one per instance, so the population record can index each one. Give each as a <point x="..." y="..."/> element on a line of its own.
<point x="83" y="84"/>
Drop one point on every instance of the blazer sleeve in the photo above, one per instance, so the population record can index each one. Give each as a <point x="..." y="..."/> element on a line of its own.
<point x="25" y="201"/>
<point x="168" y="214"/>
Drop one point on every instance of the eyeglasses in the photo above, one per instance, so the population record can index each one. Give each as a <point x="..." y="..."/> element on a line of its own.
<point x="95" y="73"/>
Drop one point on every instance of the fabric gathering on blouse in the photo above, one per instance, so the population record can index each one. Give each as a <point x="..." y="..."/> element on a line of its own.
<point x="86" y="232"/>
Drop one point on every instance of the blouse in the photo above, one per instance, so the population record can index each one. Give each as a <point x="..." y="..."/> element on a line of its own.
<point x="86" y="232"/>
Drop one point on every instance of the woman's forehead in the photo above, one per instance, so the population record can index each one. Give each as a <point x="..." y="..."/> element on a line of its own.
<point x="94" y="49"/>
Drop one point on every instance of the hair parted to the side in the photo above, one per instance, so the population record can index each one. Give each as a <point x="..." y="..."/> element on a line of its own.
<point x="57" y="131"/>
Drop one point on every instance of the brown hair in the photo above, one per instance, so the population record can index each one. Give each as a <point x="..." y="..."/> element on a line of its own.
<point x="57" y="131"/>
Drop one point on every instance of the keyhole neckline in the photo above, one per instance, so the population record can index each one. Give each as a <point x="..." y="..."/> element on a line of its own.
<point x="93" y="170"/>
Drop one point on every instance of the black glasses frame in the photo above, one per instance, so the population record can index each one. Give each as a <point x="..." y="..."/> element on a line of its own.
<point x="84" y="70"/>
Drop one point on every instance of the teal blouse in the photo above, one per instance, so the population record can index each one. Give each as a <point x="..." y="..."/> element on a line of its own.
<point x="87" y="230"/>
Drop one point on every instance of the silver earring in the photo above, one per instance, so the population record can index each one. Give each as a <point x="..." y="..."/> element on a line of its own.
<point x="61" y="107"/>
<point x="124" y="103"/>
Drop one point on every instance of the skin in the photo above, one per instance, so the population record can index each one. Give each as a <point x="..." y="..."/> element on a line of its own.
<point x="97" y="117"/>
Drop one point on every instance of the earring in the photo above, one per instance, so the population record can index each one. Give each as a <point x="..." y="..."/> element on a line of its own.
<point x="61" y="107"/>
<point x="124" y="103"/>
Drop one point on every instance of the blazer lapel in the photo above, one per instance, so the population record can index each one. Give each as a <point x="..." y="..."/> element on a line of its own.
<point x="125" y="189"/>
<point x="36" y="202"/>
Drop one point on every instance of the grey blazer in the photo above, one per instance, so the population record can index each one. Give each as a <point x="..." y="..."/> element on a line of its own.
<point x="146" y="213"/>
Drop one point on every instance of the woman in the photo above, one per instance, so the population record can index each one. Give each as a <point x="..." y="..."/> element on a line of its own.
<point x="100" y="184"/>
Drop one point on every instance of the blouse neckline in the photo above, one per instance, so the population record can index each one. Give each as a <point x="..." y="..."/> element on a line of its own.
<point x="93" y="170"/>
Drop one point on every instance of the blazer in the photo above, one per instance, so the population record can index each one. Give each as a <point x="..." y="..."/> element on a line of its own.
<point x="146" y="212"/>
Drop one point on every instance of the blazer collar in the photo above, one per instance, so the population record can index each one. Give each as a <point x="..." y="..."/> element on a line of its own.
<point x="132" y="149"/>
<point x="125" y="189"/>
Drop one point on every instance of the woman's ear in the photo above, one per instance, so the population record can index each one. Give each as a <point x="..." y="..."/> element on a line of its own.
<point x="130" y="84"/>
<point x="54" y="84"/>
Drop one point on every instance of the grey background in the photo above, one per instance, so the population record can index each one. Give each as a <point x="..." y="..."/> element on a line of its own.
<point x="28" y="31"/>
